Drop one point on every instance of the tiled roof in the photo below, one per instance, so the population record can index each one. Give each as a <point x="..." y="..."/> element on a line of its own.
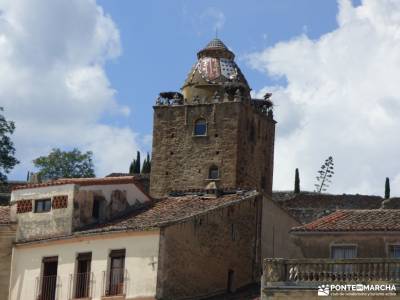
<point x="355" y="220"/>
<point x="4" y="215"/>
<point x="168" y="211"/>
<point x="80" y="181"/>
<point x="308" y="206"/>
<point x="216" y="43"/>
<point x="159" y="213"/>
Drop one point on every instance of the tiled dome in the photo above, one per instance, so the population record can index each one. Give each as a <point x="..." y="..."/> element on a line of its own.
<point x="216" y="43"/>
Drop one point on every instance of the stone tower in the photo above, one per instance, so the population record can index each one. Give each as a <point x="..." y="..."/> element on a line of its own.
<point x="212" y="134"/>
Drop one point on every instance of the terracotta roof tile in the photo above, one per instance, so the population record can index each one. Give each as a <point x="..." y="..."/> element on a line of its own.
<point x="159" y="213"/>
<point x="307" y="206"/>
<point x="355" y="220"/>
<point x="169" y="211"/>
<point x="80" y="181"/>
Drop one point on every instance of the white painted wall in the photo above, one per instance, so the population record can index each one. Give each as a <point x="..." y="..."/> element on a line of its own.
<point x="46" y="220"/>
<point x="141" y="252"/>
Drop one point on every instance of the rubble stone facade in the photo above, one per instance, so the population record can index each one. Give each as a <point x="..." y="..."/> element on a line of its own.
<point x="219" y="250"/>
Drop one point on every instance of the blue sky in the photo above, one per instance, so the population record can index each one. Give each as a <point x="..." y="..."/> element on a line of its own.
<point x="160" y="40"/>
<point x="85" y="74"/>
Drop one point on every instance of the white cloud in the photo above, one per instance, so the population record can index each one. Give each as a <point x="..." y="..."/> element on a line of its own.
<point x="342" y="98"/>
<point x="53" y="83"/>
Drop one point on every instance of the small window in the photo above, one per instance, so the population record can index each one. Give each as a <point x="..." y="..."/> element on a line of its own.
<point x="200" y="127"/>
<point x="213" y="173"/>
<point x="42" y="205"/>
<point x="394" y="251"/>
<point x="343" y="252"/>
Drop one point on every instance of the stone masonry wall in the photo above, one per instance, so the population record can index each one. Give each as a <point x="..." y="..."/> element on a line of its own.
<point x="239" y="141"/>
<point x="196" y="256"/>
<point x="181" y="160"/>
<point x="255" y="150"/>
<point x="7" y="237"/>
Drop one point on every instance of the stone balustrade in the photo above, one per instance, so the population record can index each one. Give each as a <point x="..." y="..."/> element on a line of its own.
<point x="309" y="271"/>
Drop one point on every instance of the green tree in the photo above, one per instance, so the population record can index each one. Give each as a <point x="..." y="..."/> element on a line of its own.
<point x="146" y="168"/>
<point x="65" y="164"/>
<point x="387" y="188"/>
<point x="134" y="168"/>
<point x="7" y="150"/>
<point x="297" y="182"/>
<point x="325" y="175"/>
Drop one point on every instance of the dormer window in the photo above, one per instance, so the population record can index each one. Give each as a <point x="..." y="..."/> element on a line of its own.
<point x="213" y="172"/>
<point x="42" y="205"/>
<point x="200" y="127"/>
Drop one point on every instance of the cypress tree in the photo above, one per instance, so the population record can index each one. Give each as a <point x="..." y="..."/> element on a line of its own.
<point x="387" y="188"/>
<point x="146" y="168"/>
<point x="137" y="165"/>
<point x="132" y="167"/>
<point x="297" y="182"/>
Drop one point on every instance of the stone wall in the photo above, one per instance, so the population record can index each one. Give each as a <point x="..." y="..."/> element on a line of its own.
<point x="197" y="256"/>
<point x="7" y="237"/>
<point x="239" y="141"/>
<point x="181" y="160"/>
<point x="255" y="149"/>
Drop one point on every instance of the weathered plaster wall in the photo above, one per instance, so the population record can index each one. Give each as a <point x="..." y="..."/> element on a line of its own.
<point x="141" y="264"/>
<point x="133" y="193"/>
<point x="196" y="256"/>
<point x="113" y="200"/>
<point x="275" y="236"/>
<point x="368" y="244"/>
<point x="56" y="222"/>
<point x="7" y="237"/>
<point x="116" y="199"/>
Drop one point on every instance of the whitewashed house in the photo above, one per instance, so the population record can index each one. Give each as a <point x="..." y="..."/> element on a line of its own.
<point x="105" y="238"/>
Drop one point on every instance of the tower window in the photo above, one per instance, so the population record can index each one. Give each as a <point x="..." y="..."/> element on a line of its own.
<point x="213" y="172"/>
<point x="200" y="127"/>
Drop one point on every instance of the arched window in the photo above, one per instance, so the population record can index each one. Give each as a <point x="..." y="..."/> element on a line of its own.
<point x="200" y="127"/>
<point x="213" y="172"/>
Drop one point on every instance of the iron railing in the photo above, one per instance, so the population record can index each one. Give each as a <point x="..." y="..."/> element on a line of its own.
<point x="331" y="270"/>
<point x="114" y="282"/>
<point x="81" y="285"/>
<point x="47" y="287"/>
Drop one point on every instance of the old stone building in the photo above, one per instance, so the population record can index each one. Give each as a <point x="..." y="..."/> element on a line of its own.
<point x="128" y="246"/>
<point x="212" y="134"/>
